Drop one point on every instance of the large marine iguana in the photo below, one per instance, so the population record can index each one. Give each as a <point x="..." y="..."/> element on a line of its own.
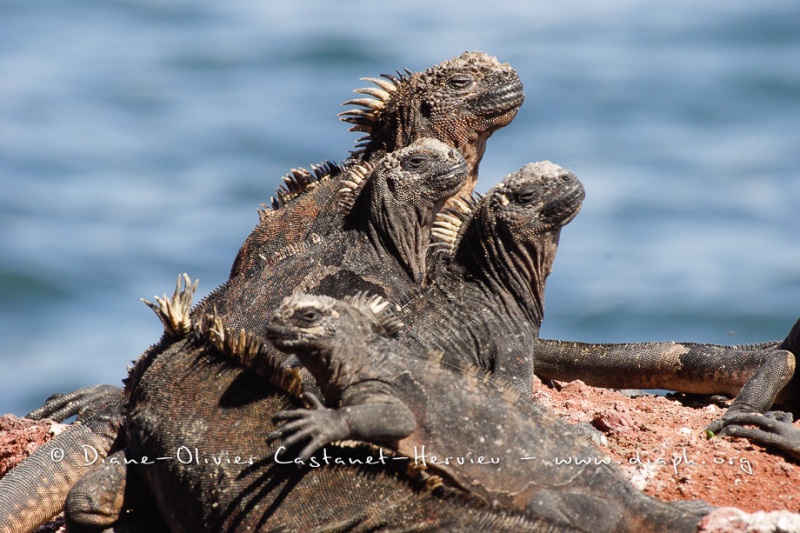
<point x="485" y="303"/>
<point x="383" y="236"/>
<point x="460" y="102"/>
<point x="379" y="241"/>
<point x="187" y="401"/>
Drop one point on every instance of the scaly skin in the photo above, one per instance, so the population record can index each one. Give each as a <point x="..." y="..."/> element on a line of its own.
<point x="383" y="394"/>
<point x="759" y="376"/>
<point x="460" y="102"/>
<point x="186" y="393"/>
<point x="486" y="301"/>
<point x="380" y="245"/>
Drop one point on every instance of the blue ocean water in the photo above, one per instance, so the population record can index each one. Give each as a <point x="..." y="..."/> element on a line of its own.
<point x="138" y="138"/>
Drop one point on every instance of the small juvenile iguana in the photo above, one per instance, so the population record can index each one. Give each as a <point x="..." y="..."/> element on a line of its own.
<point x="467" y="428"/>
<point x="460" y="102"/>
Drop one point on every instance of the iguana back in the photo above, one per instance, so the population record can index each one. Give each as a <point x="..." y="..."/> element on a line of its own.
<point x="463" y="424"/>
<point x="460" y="102"/>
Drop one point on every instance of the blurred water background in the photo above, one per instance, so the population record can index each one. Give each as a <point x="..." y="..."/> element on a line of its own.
<point x="138" y="138"/>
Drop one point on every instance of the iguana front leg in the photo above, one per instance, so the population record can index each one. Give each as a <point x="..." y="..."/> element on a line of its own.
<point x="760" y="391"/>
<point x="82" y="403"/>
<point x="379" y="420"/>
<point x="773" y="428"/>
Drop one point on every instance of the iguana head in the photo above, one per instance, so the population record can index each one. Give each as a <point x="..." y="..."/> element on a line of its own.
<point x="461" y="102"/>
<point x="427" y="171"/>
<point x="401" y="197"/>
<point x="512" y="237"/>
<point x="314" y="322"/>
<point x="538" y="198"/>
<point x="327" y="335"/>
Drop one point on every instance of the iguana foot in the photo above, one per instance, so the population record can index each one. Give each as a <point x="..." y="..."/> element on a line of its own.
<point x="774" y="429"/>
<point x="735" y="414"/>
<point x="319" y="423"/>
<point x="82" y="403"/>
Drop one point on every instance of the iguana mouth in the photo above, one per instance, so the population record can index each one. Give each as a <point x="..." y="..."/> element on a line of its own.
<point x="561" y="211"/>
<point x="281" y="335"/>
<point x="451" y="178"/>
<point x="492" y="104"/>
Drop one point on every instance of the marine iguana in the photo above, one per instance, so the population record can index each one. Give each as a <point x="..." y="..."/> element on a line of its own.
<point x="483" y="303"/>
<point x="462" y="423"/>
<point x="383" y="237"/>
<point x="186" y="398"/>
<point x="406" y="107"/>
<point x="379" y="241"/>
<point x="207" y="418"/>
<point x="460" y="102"/>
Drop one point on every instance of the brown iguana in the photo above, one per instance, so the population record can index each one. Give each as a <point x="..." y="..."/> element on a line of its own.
<point x="462" y="423"/>
<point x="460" y="102"/>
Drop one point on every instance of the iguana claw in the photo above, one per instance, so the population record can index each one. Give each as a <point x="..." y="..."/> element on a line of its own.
<point x="773" y="429"/>
<point x="318" y="423"/>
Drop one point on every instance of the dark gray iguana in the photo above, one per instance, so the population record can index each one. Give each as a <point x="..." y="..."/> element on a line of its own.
<point x="378" y="243"/>
<point x="186" y="398"/>
<point x="460" y="102"/>
<point x="208" y="418"/>
<point x="400" y="198"/>
<point x="468" y="428"/>
<point x="485" y="303"/>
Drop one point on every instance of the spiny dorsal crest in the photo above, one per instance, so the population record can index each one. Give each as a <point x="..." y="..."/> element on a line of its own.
<point x="248" y="350"/>
<point x="299" y="181"/>
<point x="175" y="313"/>
<point x="449" y="223"/>
<point x="352" y="185"/>
<point x="380" y="310"/>
<point x="366" y="118"/>
<point x="392" y="89"/>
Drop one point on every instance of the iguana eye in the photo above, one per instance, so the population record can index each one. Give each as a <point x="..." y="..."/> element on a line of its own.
<point x="460" y="81"/>
<point x="416" y="162"/>
<point x="526" y="195"/>
<point x="308" y="316"/>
